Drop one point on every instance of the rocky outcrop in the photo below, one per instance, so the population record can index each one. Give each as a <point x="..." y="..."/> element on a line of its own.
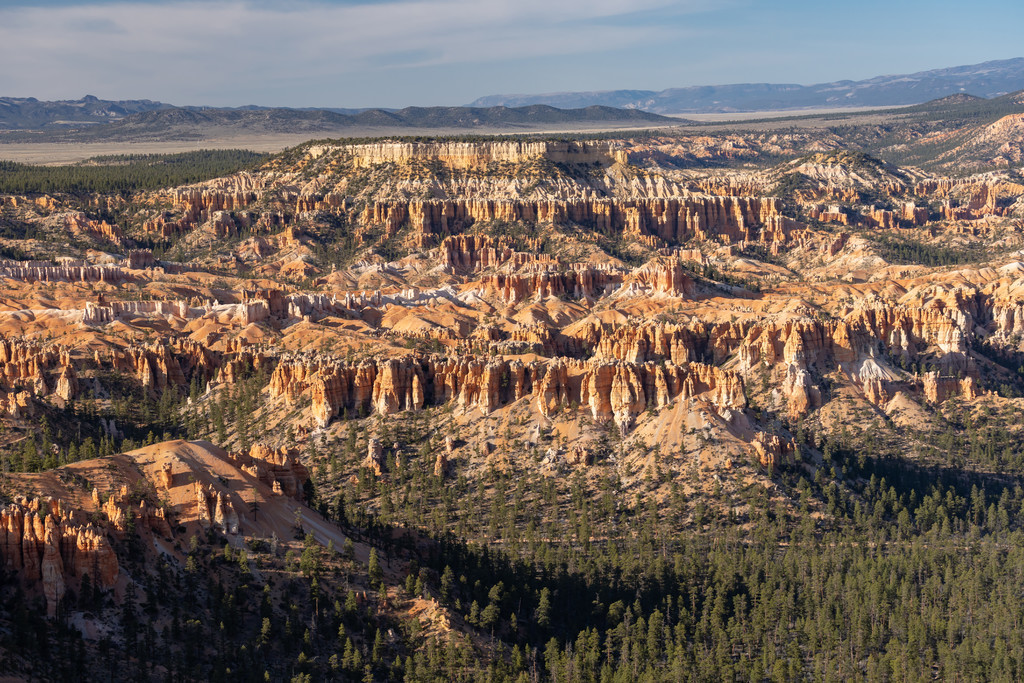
<point x="8" y="263"/>
<point x="444" y="457"/>
<point x="101" y="314"/>
<point x="799" y="392"/>
<point x="274" y="299"/>
<point x="52" y="567"/>
<point x="397" y="387"/>
<point x="477" y="155"/>
<point x="80" y="225"/>
<point x="773" y="451"/>
<point x="166" y="476"/>
<point x="906" y="215"/>
<point x="66" y="387"/>
<point x="470" y="253"/>
<point x="154" y="365"/>
<point x="1007" y="319"/>
<point x="17" y="404"/>
<point x="44" y="202"/>
<point x="196" y="200"/>
<point x="577" y="282"/>
<point x="673" y="220"/>
<point x="278" y="468"/>
<point x="580" y="281"/>
<point x="42" y="543"/>
<point x="970" y="197"/>
<point x="159" y="366"/>
<point x="801" y="345"/>
<point x="214" y="508"/>
<point x="127" y="516"/>
<point x="374" y="460"/>
<point x="611" y="390"/>
<point x="250" y="310"/>
<point x="579" y="456"/>
<point x="624" y="390"/>
<point x="106" y="274"/>
<point x="237" y="361"/>
<point x="642" y="341"/>
<point x="938" y="388"/>
<point x="440" y="464"/>
<point x="313" y="307"/>
<point x="218" y="204"/>
<point x="140" y="258"/>
<point x="659" y="277"/>
<point x="902" y="332"/>
<point x="400" y="384"/>
<point x="641" y="365"/>
<point x="45" y="369"/>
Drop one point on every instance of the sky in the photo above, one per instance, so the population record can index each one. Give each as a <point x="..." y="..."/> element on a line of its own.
<point x="396" y="53"/>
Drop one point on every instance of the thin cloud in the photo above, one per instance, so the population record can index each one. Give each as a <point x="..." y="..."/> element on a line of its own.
<point x="187" y="49"/>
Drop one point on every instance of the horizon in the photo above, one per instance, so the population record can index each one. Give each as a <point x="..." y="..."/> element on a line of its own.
<point x="396" y="53"/>
<point x="256" y="105"/>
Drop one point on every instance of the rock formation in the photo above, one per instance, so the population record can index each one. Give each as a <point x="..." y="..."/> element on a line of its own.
<point x="938" y="388"/>
<point x="45" y="368"/>
<point x="608" y="389"/>
<point x="537" y="284"/>
<point x="374" y="460"/>
<point x="80" y="225"/>
<point x="46" y="547"/>
<point x="278" y="468"/>
<point x="49" y="273"/>
<point x="125" y="516"/>
<point x="471" y="253"/>
<point x="441" y="464"/>
<point x="772" y="451"/>
<point x="215" y="508"/>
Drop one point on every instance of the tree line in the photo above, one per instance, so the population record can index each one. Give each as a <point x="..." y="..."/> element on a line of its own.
<point x="125" y="172"/>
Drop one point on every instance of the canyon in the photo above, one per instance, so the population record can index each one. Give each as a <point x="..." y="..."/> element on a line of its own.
<point x="524" y="345"/>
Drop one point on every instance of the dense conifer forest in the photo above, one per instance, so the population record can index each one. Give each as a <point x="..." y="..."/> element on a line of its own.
<point x="125" y="172"/>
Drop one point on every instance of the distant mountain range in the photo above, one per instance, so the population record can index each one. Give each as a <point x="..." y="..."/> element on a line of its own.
<point x="20" y="113"/>
<point x="989" y="79"/>
<point x="91" y="117"/>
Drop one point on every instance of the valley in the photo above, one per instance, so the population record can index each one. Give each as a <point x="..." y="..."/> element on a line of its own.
<point x="726" y="401"/>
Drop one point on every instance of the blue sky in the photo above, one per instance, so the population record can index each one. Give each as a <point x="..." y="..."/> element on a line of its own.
<point x="394" y="53"/>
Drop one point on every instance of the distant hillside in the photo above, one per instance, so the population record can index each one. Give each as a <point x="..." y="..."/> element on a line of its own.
<point x="29" y="113"/>
<point x="989" y="79"/>
<point x="189" y="123"/>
